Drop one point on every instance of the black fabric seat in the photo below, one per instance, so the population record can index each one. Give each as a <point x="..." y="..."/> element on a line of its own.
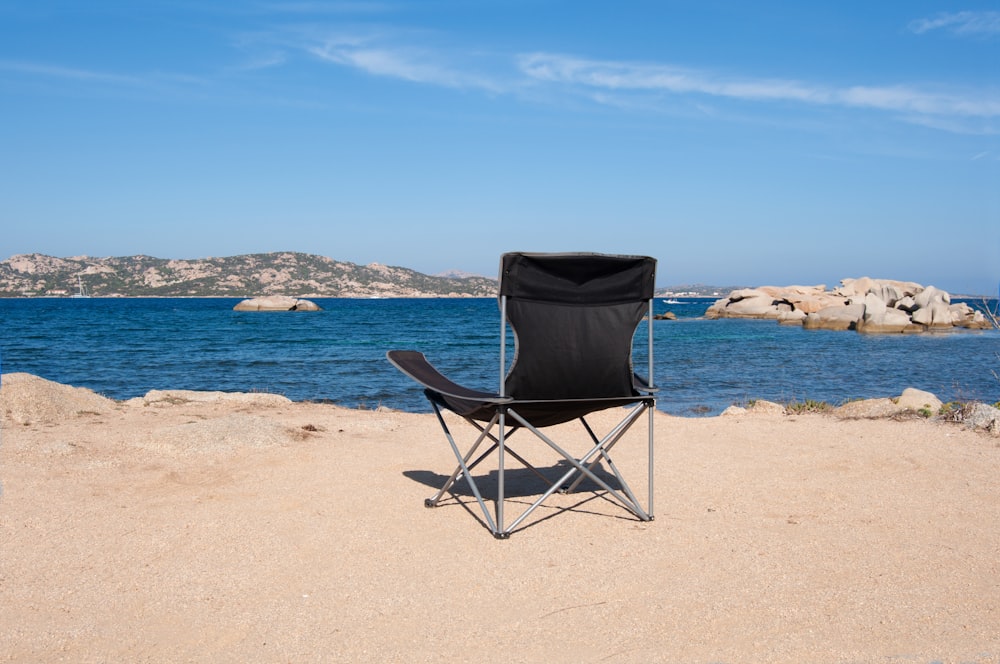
<point x="574" y="317"/>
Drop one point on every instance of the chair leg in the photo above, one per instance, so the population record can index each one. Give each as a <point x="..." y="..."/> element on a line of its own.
<point x="459" y="469"/>
<point x="652" y="410"/>
<point x="464" y="467"/>
<point x="499" y="531"/>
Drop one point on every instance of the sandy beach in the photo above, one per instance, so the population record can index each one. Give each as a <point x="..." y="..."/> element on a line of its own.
<point x="202" y="527"/>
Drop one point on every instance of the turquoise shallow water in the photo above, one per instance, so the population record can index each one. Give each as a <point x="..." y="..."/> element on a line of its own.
<point x="125" y="347"/>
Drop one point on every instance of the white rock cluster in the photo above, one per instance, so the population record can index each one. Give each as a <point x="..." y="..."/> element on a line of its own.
<point x="276" y="303"/>
<point x="865" y="304"/>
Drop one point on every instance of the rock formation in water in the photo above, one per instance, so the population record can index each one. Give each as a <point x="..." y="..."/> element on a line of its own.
<point x="276" y="303"/>
<point x="866" y="305"/>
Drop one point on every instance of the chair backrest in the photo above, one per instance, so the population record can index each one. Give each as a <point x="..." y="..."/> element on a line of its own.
<point x="574" y="317"/>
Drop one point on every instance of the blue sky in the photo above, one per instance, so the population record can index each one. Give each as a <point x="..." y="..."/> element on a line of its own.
<point x="739" y="143"/>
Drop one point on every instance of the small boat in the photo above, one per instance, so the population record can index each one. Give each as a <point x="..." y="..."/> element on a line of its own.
<point x="81" y="290"/>
<point x="671" y="301"/>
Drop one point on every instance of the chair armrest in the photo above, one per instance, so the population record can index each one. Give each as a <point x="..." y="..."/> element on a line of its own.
<point x="642" y="385"/>
<point x="416" y="366"/>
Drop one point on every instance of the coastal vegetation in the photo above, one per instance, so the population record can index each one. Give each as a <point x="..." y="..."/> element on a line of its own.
<point x="911" y="404"/>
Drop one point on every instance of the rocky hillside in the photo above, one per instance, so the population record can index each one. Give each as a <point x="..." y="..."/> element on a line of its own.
<point x="286" y="273"/>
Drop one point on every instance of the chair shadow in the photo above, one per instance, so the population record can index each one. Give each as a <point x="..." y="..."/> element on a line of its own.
<point x="518" y="482"/>
<point x="522" y="486"/>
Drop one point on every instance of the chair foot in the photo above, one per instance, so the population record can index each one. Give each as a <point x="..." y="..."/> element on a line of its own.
<point x="501" y="536"/>
<point x="428" y="502"/>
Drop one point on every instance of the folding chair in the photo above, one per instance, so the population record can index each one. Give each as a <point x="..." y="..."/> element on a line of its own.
<point x="574" y="317"/>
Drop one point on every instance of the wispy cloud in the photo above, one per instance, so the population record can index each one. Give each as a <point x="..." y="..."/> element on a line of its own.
<point x="960" y="23"/>
<point x="154" y="84"/>
<point x="639" y="86"/>
<point x="70" y="73"/>
<point x="624" y="84"/>
<point x="611" y="75"/>
<point x="636" y="77"/>
<point x="417" y="65"/>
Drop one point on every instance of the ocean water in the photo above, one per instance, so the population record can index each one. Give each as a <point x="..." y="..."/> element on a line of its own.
<point x="123" y="348"/>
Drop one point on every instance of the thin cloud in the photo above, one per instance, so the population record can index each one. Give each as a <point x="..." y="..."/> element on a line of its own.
<point x="623" y="84"/>
<point x="53" y="71"/>
<point x="408" y="64"/>
<point x="630" y="77"/>
<point x="628" y="85"/>
<point x="662" y="78"/>
<point x="155" y="84"/>
<point x="960" y="23"/>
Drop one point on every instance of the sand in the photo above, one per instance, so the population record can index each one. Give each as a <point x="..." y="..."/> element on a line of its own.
<point x="205" y="527"/>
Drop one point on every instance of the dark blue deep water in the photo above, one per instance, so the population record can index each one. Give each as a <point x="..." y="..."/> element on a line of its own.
<point x="123" y="348"/>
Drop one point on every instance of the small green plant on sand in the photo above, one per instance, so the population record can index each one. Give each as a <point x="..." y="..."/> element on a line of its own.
<point x="808" y="406"/>
<point x="946" y="409"/>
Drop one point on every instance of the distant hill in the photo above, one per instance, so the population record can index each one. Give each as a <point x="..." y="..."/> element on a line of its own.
<point x="282" y="273"/>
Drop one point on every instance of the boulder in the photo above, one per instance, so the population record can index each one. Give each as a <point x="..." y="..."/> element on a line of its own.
<point x="166" y="398"/>
<point x="733" y="411"/>
<point x="887" y="321"/>
<point x="985" y="417"/>
<point x="756" y="306"/>
<point x="276" y="303"/>
<point x="916" y="400"/>
<point x="762" y="407"/>
<point x="810" y="304"/>
<point x="759" y="407"/>
<point x="935" y="315"/>
<point x="874" y="306"/>
<point x="887" y="293"/>
<point x="962" y="315"/>
<point x="867" y="409"/>
<point x="854" y="287"/>
<point x="906" y="304"/>
<point x="930" y="295"/>
<point x="835" y="318"/>
<point x="794" y="317"/>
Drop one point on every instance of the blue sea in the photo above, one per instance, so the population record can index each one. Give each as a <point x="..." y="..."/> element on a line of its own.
<point x="123" y="348"/>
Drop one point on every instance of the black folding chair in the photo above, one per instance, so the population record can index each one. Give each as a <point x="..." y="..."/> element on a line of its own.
<point x="574" y="317"/>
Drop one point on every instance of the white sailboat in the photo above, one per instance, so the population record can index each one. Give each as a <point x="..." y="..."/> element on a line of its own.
<point x="81" y="290"/>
